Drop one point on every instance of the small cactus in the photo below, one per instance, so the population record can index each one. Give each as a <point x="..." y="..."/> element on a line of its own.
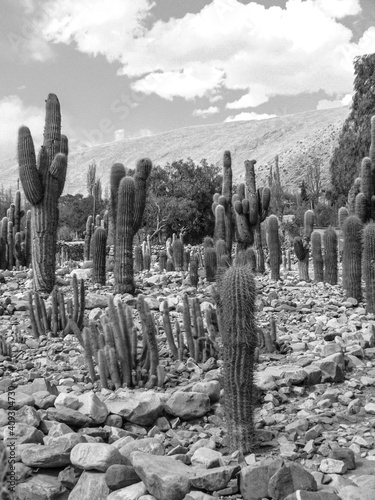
<point x="98" y="250"/>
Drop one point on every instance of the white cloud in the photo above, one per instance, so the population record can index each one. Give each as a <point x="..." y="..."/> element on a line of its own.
<point x="206" y="112"/>
<point x="228" y="44"/>
<point x="14" y="113"/>
<point x="248" y="116"/>
<point x="337" y="103"/>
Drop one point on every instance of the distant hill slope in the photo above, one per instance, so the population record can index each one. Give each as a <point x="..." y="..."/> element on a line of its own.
<point x="293" y="137"/>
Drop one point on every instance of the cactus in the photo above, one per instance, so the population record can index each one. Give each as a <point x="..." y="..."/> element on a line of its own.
<point x="220" y="222"/>
<point x="4" y="244"/>
<point x="342" y="215"/>
<point x="162" y="260"/>
<point x="130" y="206"/>
<point x="193" y="270"/>
<point x="186" y="260"/>
<point x="317" y="256"/>
<point x="147" y="260"/>
<point x="208" y="242"/>
<point x="368" y="266"/>
<point x="117" y="173"/>
<point x="330" y="256"/>
<point x="168" y="330"/>
<point x="361" y="207"/>
<point x="274" y="247"/>
<point x="98" y="250"/>
<point x="169" y="266"/>
<point x="354" y="190"/>
<point x="43" y="183"/>
<point x="178" y="254"/>
<point x="239" y="337"/>
<point x="88" y="235"/>
<point x="138" y="258"/>
<point x="18" y="213"/>
<point x="301" y="246"/>
<point x="10" y="246"/>
<point x="352" y="257"/>
<point x="246" y="257"/>
<point x="210" y="263"/>
<point x="28" y="238"/>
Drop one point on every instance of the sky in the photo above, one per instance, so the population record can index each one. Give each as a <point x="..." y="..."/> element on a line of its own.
<point x="132" y="68"/>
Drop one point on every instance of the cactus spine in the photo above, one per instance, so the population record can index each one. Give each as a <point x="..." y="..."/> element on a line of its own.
<point x="99" y="247"/>
<point x="43" y="182"/>
<point x="368" y="265"/>
<point x="210" y="263"/>
<point x="351" y="257"/>
<point x="316" y="250"/>
<point x="274" y="247"/>
<point x="330" y="256"/>
<point x="237" y="306"/>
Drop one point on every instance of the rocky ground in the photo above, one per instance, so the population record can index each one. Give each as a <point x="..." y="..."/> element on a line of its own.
<point x="315" y="415"/>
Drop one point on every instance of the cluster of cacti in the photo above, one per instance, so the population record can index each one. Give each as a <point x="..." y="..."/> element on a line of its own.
<point x="15" y="243"/>
<point x="222" y="207"/>
<point x="127" y="212"/>
<point x="64" y="316"/>
<point x="5" y="348"/>
<point x="302" y="246"/>
<point x="236" y="310"/>
<point x="43" y="182"/>
<point x="274" y="247"/>
<point x="251" y="207"/>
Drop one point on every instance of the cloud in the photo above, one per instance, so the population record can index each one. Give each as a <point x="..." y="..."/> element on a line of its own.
<point x="337" y="103"/>
<point x="226" y="45"/>
<point x="204" y="113"/>
<point x="14" y="113"/>
<point x="248" y="116"/>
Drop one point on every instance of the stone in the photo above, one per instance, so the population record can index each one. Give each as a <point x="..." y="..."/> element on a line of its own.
<point x="66" y="441"/>
<point x="265" y="381"/>
<point x="90" y="485"/>
<point x="95" y="456"/>
<point x="213" y="479"/>
<point x="38" y="384"/>
<point x="15" y="401"/>
<point x="206" y="458"/>
<point x="332" y="466"/>
<point x="254" y="479"/>
<point x="187" y="405"/>
<point x="211" y="388"/>
<point x="28" y="415"/>
<point x="133" y="492"/>
<point x="332" y="368"/>
<point x="90" y="405"/>
<point x="22" y="434"/>
<point x="67" y="400"/>
<point x="68" y="416"/>
<point x="164" y="477"/>
<point x="288" y="479"/>
<point x="312" y="495"/>
<point x="45" y="456"/>
<point x="44" y="400"/>
<point x="151" y="446"/>
<point x="370" y="408"/>
<point x="346" y="455"/>
<point x="69" y="476"/>
<point x="354" y="493"/>
<point x="142" y="408"/>
<point x="119" y="476"/>
<point x="41" y="486"/>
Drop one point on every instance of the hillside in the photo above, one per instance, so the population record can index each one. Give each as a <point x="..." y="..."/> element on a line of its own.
<point x="294" y="138"/>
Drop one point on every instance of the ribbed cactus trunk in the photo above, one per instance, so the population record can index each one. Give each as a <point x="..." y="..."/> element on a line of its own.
<point x="368" y="265"/>
<point x="330" y="256"/>
<point x="274" y="247"/>
<point x="43" y="183"/>
<point x="352" y="257"/>
<point x="317" y="256"/>
<point x="98" y="248"/>
<point x="237" y="306"/>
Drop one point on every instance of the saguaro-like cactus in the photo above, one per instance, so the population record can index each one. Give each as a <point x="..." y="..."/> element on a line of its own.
<point x="130" y="206"/>
<point x="237" y="306"/>
<point x="274" y="247"/>
<point x="302" y="245"/>
<point x="330" y="256"/>
<point x="43" y="182"/>
<point x="316" y="250"/>
<point x="98" y="250"/>
<point x="352" y="257"/>
<point x="368" y="265"/>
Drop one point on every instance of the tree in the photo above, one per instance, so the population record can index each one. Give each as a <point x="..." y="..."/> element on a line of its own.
<point x="180" y="198"/>
<point x="354" y="140"/>
<point x="74" y="210"/>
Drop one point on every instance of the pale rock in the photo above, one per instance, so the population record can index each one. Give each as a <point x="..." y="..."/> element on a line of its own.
<point x="133" y="492"/>
<point x="211" y="388"/>
<point x="332" y="466"/>
<point x="15" y="401"/>
<point x="67" y="400"/>
<point x="206" y="458"/>
<point x="41" y="486"/>
<point x="90" y="485"/>
<point x="95" y="456"/>
<point x="187" y="405"/>
<point x="142" y="408"/>
<point x="45" y="456"/>
<point x="90" y="405"/>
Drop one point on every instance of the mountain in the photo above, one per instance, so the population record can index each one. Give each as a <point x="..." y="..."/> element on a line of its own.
<point x="297" y="139"/>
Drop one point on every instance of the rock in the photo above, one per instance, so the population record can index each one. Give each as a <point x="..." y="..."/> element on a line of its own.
<point x="91" y="485"/>
<point x="15" y="401"/>
<point x="265" y="381"/>
<point x="288" y="479"/>
<point x="213" y="479"/>
<point x="39" y="384"/>
<point x="206" y="458"/>
<point x="67" y="416"/>
<point x="211" y="388"/>
<point x="82" y="274"/>
<point x="22" y="434"/>
<point x="95" y="456"/>
<point x="69" y="476"/>
<point x="28" y="415"/>
<point x="41" y="486"/>
<point x="254" y="479"/>
<point x="187" y="405"/>
<point x="133" y="492"/>
<point x="354" y="493"/>
<point x="67" y="400"/>
<point x="90" y="405"/>
<point x="44" y="400"/>
<point x="142" y="408"/>
<point x="370" y="408"/>
<point x="164" y="477"/>
<point x="95" y="300"/>
<point x="332" y="466"/>
<point x="312" y="495"/>
<point x="332" y="368"/>
<point x="147" y="445"/>
<point x="119" y="476"/>
<point x="45" y="456"/>
<point x="66" y="441"/>
<point x="346" y="455"/>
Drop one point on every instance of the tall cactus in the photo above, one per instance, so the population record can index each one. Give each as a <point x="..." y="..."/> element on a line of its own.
<point x="130" y="206"/>
<point x="302" y="246"/>
<point x="222" y="206"/>
<point x="274" y="247"/>
<point x="4" y="244"/>
<point x="368" y="265"/>
<point x="330" y="256"/>
<point x="239" y="336"/>
<point x="317" y="256"/>
<point x="98" y="250"/>
<point x="352" y="257"/>
<point x="43" y="182"/>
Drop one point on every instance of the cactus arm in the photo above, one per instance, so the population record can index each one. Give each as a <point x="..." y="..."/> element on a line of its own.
<point x="29" y="174"/>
